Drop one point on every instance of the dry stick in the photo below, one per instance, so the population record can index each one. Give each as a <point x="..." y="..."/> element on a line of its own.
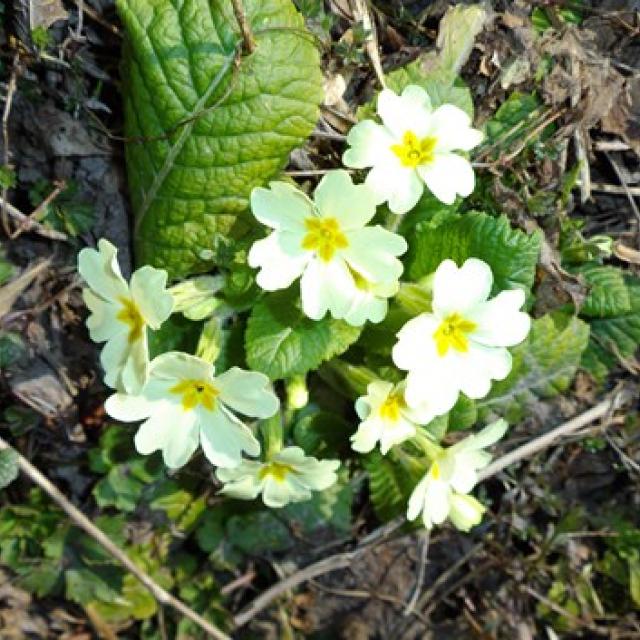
<point x="625" y="186"/>
<point x="11" y="89"/>
<point x="247" y="36"/>
<point x="343" y="560"/>
<point x="78" y="518"/>
<point x="35" y="214"/>
<point x="29" y="224"/>
<point x="614" y="189"/>
<point x="361" y="14"/>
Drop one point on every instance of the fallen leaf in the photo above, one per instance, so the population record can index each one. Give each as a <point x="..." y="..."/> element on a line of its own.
<point x="11" y="291"/>
<point x="43" y="13"/>
<point x="627" y="254"/>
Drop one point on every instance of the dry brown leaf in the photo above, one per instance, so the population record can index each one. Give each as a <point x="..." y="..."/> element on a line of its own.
<point x="624" y="117"/>
<point x="43" y="13"/>
<point x="622" y="252"/>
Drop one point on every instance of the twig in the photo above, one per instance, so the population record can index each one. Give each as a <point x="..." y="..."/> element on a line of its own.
<point x="30" y="224"/>
<point x="79" y="519"/>
<point x="11" y="89"/>
<point x="601" y="410"/>
<point x="247" y="35"/>
<point x="421" y="569"/>
<point x="610" y="145"/>
<point x="614" y="189"/>
<point x="362" y="15"/>
<point x="35" y="214"/>
<point x="625" y="186"/>
<point x="340" y="561"/>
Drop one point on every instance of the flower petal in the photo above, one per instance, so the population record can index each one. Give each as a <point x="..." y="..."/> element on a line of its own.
<point x="415" y="342"/>
<point x="366" y="306"/>
<point x="396" y="433"/>
<point x="247" y="392"/>
<point x="282" y="207"/>
<point x="437" y="388"/>
<point x="103" y="322"/>
<point x="409" y="112"/>
<point x="447" y="175"/>
<point x="127" y="408"/>
<point x="176" y="365"/>
<point x="416" y="500"/>
<point x="478" y="367"/>
<point x="326" y="286"/>
<point x="436" y="500"/>
<point x="135" y="370"/>
<point x="370" y="144"/>
<point x="101" y="271"/>
<point x="242" y="482"/>
<point x="371" y="252"/>
<point x="368" y="433"/>
<point x="278" y="493"/>
<point x="499" y="321"/>
<point x="171" y="430"/>
<point x="406" y="189"/>
<point x="456" y="290"/>
<point x="148" y="290"/>
<point x="465" y="511"/>
<point x="281" y="260"/>
<point x="223" y="438"/>
<point x="352" y="205"/>
<point x="484" y="438"/>
<point x="452" y="127"/>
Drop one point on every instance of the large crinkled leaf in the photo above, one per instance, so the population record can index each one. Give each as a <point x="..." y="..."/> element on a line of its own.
<point x="511" y="253"/>
<point x="281" y="341"/>
<point x="206" y="124"/>
<point x="543" y="366"/>
<point x="608" y="295"/>
<point x="615" y="329"/>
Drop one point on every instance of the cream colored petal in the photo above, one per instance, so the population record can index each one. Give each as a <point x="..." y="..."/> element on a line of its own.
<point x="149" y="292"/>
<point x="352" y="205"/>
<point x="457" y="290"/>
<point x="362" y="407"/>
<point x="103" y="323"/>
<point x="407" y="190"/>
<point x="452" y="128"/>
<point x="479" y="366"/>
<point x="465" y="512"/>
<point x="176" y="365"/>
<point x="372" y="253"/>
<point x="499" y="321"/>
<point x="126" y="408"/>
<point x="247" y="392"/>
<point x="101" y="271"/>
<point x="409" y="112"/>
<point x="370" y="143"/>
<point x="367" y="436"/>
<point x="327" y="286"/>
<point x="224" y="439"/>
<point x="416" y="500"/>
<point x="280" y="258"/>
<point x="447" y="176"/>
<point x="135" y="370"/>
<point x="396" y="433"/>
<point x="415" y="344"/>
<point x="281" y="207"/>
<point x="277" y="493"/>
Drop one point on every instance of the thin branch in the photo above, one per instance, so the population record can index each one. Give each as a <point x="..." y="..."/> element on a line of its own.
<point x="29" y="224"/>
<point x="11" y="89"/>
<point x="245" y="29"/>
<point x="362" y="15"/>
<point x="79" y="519"/>
<point x="527" y="450"/>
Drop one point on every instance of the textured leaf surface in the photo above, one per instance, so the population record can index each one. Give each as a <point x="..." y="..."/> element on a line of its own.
<point x="615" y="336"/>
<point x="543" y="366"/>
<point x="511" y="253"/>
<point x="206" y="125"/>
<point x="8" y="467"/>
<point x="281" y="341"/>
<point x="608" y="293"/>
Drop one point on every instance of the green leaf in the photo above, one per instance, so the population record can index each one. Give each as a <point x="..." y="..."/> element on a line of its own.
<point x="390" y="485"/>
<point x="544" y="365"/>
<point x="634" y="580"/>
<point x="206" y="125"/>
<point x="508" y="121"/>
<point x="322" y="434"/>
<point x="12" y="349"/>
<point x="615" y="336"/>
<point x="258" y="532"/>
<point x="463" y="415"/>
<point x="511" y="253"/>
<point x="608" y="294"/>
<point x="8" y="467"/>
<point x="282" y="342"/>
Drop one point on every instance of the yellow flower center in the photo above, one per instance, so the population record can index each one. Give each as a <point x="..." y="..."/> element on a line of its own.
<point x="390" y="408"/>
<point x="276" y="470"/>
<point x="131" y="316"/>
<point x="452" y="333"/>
<point x="324" y="236"/>
<point x="434" y="472"/>
<point x="360" y="281"/>
<point x="413" y="152"/>
<point x="195" y="392"/>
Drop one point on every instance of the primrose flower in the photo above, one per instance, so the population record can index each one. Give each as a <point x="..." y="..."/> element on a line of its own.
<point x="453" y="473"/>
<point x="288" y="476"/>
<point x="183" y="404"/>
<point x="386" y="417"/>
<point x="370" y="300"/>
<point x="327" y="245"/>
<point x="461" y="345"/>
<point x="413" y="146"/>
<point x="121" y="313"/>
